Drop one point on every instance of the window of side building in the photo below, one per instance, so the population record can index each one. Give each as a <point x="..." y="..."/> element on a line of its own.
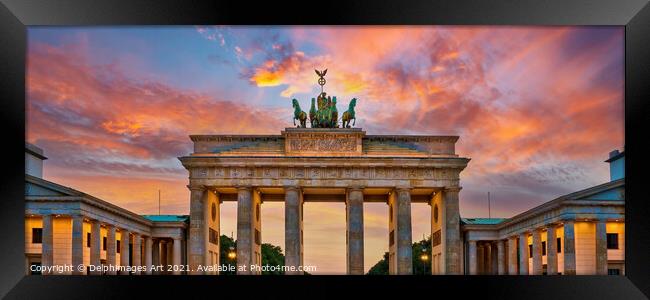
<point x="37" y="235"/>
<point x="612" y="241"/>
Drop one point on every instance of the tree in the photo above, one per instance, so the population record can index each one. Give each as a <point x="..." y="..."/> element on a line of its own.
<point x="420" y="267"/>
<point x="381" y="267"/>
<point x="225" y="243"/>
<point x="271" y="256"/>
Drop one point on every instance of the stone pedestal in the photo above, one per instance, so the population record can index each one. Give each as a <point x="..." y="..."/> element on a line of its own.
<point x="95" y="245"/>
<point x="293" y="229"/>
<point x="551" y="251"/>
<point x="569" y="248"/>
<point x="77" y="244"/>
<point x="537" y="252"/>
<point x="47" y="257"/>
<point x="523" y="254"/>
<point x="354" y="211"/>
<point x="111" y="248"/>
<point x="601" y="248"/>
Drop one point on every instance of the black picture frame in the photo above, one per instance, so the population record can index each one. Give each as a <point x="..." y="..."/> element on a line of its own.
<point x="15" y="15"/>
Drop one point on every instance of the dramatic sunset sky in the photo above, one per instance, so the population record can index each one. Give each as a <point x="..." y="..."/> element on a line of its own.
<point x="537" y="109"/>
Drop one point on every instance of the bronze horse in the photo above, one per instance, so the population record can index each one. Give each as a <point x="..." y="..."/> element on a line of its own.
<point x="349" y="114"/>
<point x="299" y="114"/>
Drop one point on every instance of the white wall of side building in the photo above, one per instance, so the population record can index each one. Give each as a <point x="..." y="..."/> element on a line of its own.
<point x="585" y="248"/>
<point x="617" y="254"/>
<point x="32" y="222"/>
<point x="62" y="241"/>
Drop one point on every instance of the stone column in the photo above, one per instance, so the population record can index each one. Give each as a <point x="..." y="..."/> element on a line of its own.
<point x="137" y="252"/>
<point x="537" y="252"/>
<point x="155" y="255"/>
<point x="523" y="254"/>
<point x="404" y="236"/>
<point x="176" y="261"/>
<point x="47" y="256"/>
<point x="197" y="247"/>
<point x="163" y="256"/>
<point x="148" y="261"/>
<point x="111" y="249"/>
<point x="481" y="258"/>
<point x="551" y="251"/>
<point x="354" y="210"/>
<point x="473" y="263"/>
<point x="494" y="258"/>
<point x="601" y="247"/>
<point x="124" y="251"/>
<point x="244" y="230"/>
<point x="488" y="258"/>
<point x="501" y="257"/>
<point x="292" y="229"/>
<point x="77" y="244"/>
<point x="451" y="233"/>
<point x="569" y="248"/>
<point x="512" y="258"/>
<point x="169" y="256"/>
<point x="95" y="246"/>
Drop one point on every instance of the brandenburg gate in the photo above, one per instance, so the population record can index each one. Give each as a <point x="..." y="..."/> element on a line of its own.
<point x="328" y="162"/>
<point x="328" y="165"/>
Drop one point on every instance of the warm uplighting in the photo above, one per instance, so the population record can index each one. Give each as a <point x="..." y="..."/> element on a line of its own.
<point x="232" y="254"/>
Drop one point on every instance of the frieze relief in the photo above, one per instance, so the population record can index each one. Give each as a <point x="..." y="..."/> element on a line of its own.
<point x="323" y="144"/>
<point x="326" y="173"/>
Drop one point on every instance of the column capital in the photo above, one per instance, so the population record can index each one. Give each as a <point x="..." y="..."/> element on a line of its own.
<point x="292" y="187"/>
<point x="452" y="189"/>
<point x="198" y="188"/>
<point x="243" y="187"/>
<point x="403" y="188"/>
<point x="355" y="188"/>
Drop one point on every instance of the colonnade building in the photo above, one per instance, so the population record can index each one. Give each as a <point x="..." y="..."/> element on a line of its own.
<point x="329" y="165"/>
<point x="66" y="227"/>
<point x="580" y="233"/>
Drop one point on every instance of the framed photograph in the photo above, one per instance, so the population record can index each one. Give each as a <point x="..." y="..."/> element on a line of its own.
<point x="475" y="148"/>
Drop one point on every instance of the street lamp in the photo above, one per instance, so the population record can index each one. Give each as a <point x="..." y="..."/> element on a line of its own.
<point x="231" y="253"/>
<point x="424" y="257"/>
